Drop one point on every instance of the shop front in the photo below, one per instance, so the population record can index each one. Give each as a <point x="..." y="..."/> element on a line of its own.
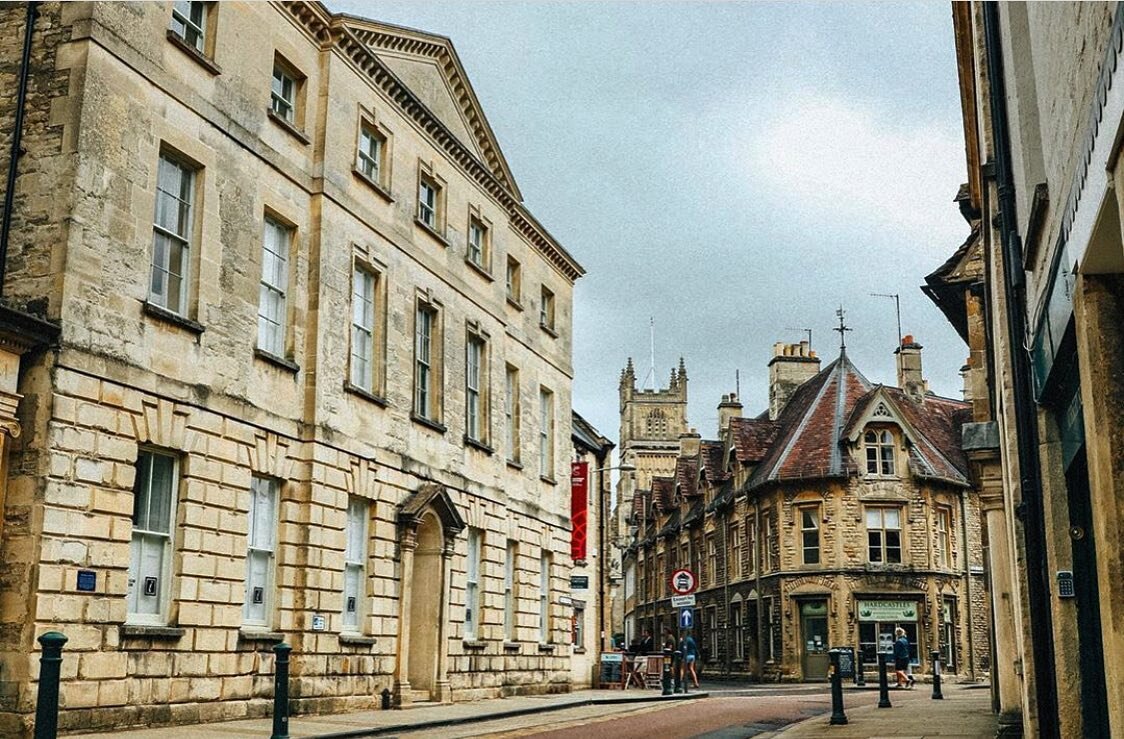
<point x="814" y="659"/>
<point x="878" y="617"/>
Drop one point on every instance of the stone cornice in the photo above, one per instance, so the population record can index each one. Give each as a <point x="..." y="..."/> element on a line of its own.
<point x="331" y="32"/>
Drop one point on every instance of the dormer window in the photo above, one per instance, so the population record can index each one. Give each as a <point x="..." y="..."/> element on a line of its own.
<point x="879" y="453"/>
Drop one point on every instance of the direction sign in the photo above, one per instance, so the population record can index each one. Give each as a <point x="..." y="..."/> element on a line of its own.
<point x="683" y="582"/>
<point x="686" y="618"/>
<point x="682" y="601"/>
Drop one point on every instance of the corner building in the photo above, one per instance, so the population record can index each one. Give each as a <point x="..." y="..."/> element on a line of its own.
<point x="300" y="371"/>
<point x="843" y="512"/>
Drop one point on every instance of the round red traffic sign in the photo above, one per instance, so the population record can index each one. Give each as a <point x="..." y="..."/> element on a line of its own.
<point x="683" y="582"/>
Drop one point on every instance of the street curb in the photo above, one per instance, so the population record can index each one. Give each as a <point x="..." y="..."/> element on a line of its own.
<point x="514" y="712"/>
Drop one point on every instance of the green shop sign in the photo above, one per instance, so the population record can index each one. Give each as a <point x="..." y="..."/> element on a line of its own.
<point x="887" y="610"/>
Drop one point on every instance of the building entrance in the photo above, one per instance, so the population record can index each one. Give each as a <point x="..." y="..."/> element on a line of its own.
<point x="813" y="635"/>
<point x="425" y="606"/>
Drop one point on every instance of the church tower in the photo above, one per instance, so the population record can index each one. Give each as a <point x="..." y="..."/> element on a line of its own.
<point x="651" y="423"/>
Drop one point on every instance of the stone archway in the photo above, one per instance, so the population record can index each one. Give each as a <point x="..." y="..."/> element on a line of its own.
<point x="428" y="524"/>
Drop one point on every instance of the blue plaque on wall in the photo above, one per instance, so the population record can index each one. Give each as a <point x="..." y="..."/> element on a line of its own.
<point x="87" y="581"/>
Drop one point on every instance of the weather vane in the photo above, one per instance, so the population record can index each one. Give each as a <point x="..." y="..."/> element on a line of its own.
<point x="842" y="329"/>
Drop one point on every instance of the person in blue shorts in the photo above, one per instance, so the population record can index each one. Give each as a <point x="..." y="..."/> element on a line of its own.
<point x="690" y="650"/>
<point x="901" y="659"/>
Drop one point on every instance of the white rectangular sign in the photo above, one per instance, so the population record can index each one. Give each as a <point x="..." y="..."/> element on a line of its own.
<point x="682" y="601"/>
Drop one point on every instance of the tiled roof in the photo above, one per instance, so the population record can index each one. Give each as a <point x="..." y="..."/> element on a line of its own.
<point x="687" y="476"/>
<point x="752" y="438"/>
<point x="663" y="490"/>
<point x="712" y="463"/>
<point x="938" y="422"/>
<point x="640" y="502"/>
<point x="807" y="444"/>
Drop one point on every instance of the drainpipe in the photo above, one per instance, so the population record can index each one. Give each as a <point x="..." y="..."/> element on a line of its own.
<point x="1026" y="428"/>
<point x="17" y="136"/>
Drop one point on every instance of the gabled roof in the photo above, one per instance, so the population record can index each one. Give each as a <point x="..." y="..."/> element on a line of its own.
<point x="687" y="476"/>
<point x="752" y="438"/>
<point x="585" y="434"/>
<point x="808" y="429"/>
<point x="933" y="424"/>
<point x="663" y="491"/>
<point x="712" y="469"/>
<point x="429" y="65"/>
<point x="641" y="499"/>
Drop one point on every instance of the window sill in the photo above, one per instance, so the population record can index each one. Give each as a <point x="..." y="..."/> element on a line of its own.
<point x="511" y="646"/>
<point x="548" y="480"/>
<point x="477" y="444"/>
<point x="480" y="270"/>
<point x="173" y="318"/>
<point x="431" y="231"/>
<point x="579" y="650"/>
<point x="140" y="631"/>
<point x="291" y="129"/>
<point x="196" y="56"/>
<point x="549" y="331"/>
<point x="474" y="644"/>
<point x="379" y="189"/>
<point x="365" y="394"/>
<point x="546" y="648"/>
<point x="357" y="640"/>
<point x="428" y="423"/>
<point x="514" y="464"/>
<point x="514" y="303"/>
<point x="249" y="633"/>
<point x="272" y="358"/>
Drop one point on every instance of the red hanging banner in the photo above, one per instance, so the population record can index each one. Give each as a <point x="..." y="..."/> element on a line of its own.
<point x="579" y="508"/>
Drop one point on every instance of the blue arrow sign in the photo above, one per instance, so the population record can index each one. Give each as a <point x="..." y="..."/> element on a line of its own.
<point x="686" y="618"/>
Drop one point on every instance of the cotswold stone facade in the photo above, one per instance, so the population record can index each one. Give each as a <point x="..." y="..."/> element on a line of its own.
<point x="311" y="381"/>
<point x="838" y="515"/>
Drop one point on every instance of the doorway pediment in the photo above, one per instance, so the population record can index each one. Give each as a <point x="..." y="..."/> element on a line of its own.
<point x="431" y="496"/>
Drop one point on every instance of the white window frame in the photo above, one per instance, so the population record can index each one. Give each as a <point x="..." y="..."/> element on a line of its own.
<point x="364" y="284"/>
<point x="283" y="93"/>
<point x="711" y="561"/>
<point x="475" y="397"/>
<point x="880" y="459"/>
<point x="546" y="308"/>
<point x="472" y="569"/>
<point x="733" y="567"/>
<point x="546" y="433"/>
<point x="739" y="631"/>
<point x="814" y="529"/>
<point x="944" y="536"/>
<point x="511" y="413"/>
<point x="277" y="239"/>
<point x="876" y="521"/>
<point x="509" y="591"/>
<point x="425" y="370"/>
<point x="371" y="152"/>
<point x="544" y="597"/>
<point x="514" y="280"/>
<point x="477" y="249"/>
<point x="428" y="193"/>
<point x="149" y="538"/>
<point x="177" y="237"/>
<point x="261" y="546"/>
<point x="355" y="564"/>
<point x="712" y="632"/>
<point x="751" y="543"/>
<point x="191" y="30"/>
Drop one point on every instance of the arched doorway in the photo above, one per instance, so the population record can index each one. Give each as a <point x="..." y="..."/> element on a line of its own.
<point x="426" y="588"/>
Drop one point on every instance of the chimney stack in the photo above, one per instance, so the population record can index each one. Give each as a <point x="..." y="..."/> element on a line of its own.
<point x="909" y="368"/>
<point x="689" y="443"/>
<point x="791" y="366"/>
<point x="729" y="408"/>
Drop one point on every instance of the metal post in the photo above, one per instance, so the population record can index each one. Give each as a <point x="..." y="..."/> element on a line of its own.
<point x="281" y="691"/>
<point x="677" y="668"/>
<point x="860" y="678"/>
<point x="665" y="680"/>
<point x="937" y="694"/>
<point x="47" y="701"/>
<point x="883" y="684"/>
<point x="837" y="715"/>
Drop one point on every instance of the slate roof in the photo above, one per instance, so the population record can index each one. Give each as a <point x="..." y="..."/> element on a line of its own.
<point x="752" y="438"/>
<point x="713" y="466"/>
<point x="687" y="476"/>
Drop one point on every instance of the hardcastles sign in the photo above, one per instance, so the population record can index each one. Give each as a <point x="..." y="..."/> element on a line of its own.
<point x="579" y="508"/>
<point x="887" y="610"/>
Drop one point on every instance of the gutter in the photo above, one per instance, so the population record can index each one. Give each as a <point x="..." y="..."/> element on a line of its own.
<point x="1026" y="429"/>
<point x="17" y="137"/>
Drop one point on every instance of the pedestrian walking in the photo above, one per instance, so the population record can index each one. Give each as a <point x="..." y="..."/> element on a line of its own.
<point x="690" y="651"/>
<point x="901" y="660"/>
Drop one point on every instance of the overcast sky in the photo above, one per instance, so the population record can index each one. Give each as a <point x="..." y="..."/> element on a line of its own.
<point x="735" y="171"/>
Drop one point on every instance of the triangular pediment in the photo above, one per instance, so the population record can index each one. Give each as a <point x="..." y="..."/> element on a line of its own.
<point x="428" y="65"/>
<point x="431" y="496"/>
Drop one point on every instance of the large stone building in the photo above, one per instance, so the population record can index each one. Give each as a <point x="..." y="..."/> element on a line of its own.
<point x="842" y="512"/>
<point x="1037" y="292"/>
<point x="296" y="366"/>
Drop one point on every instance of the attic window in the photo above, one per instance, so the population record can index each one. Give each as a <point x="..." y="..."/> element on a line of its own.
<point x="882" y="411"/>
<point x="879" y="453"/>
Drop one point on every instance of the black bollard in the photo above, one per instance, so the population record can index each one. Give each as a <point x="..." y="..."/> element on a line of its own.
<point x="47" y="701"/>
<point x="937" y="694"/>
<point x="883" y="684"/>
<point x="281" y="691"/>
<point x="860" y="676"/>
<point x="385" y="695"/>
<point x="665" y="679"/>
<point x="678" y="667"/>
<point x="837" y="715"/>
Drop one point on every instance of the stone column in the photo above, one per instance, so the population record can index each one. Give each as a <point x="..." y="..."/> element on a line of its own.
<point x="407" y="543"/>
<point x="443" y="690"/>
<point x="1005" y="663"/>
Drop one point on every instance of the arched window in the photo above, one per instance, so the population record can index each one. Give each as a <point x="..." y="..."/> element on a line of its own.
<point x="879" y="453"/>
